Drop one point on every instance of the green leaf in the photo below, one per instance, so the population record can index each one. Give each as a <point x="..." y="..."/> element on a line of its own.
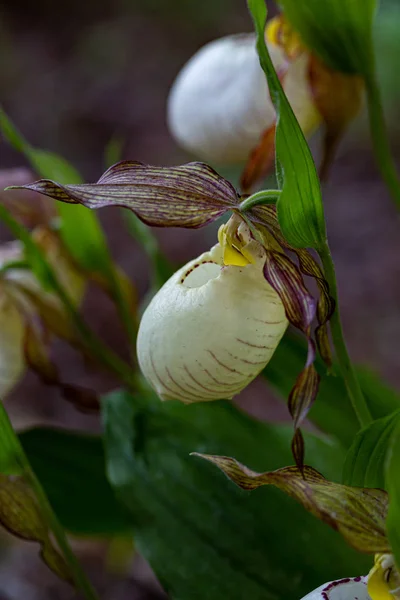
<point x="366" y="458"/>
<point x="393" y="487"/>
<point x="338" y="31"/>
<point x="75" y="481"/>
<point x="226" y="543"/>
<point x="80" y="228"/>
<point x="332" y="411"/>
<point x="300" y="209"/>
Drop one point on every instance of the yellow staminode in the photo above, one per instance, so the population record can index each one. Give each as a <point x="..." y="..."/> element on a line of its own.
<point x="384" y="579"/>
<point x="280" y="33"/>
<point x="231" y="251"/>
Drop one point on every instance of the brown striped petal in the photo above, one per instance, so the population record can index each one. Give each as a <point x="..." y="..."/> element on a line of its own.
<point x="325" y="306"/>
<point x="358" y="514"/>
<point x="266" y="216"/>
<point x="190" y="195"/>
<point x="300" y="307"/>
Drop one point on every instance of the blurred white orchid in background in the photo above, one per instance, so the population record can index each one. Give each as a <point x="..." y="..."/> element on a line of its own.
<point x="219" y="106"/>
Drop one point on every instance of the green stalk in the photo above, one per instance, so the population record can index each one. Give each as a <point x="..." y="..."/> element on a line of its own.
<point x="349" y="375"/>
<point x="263" y="197"/>
<point x="380" y="139"/>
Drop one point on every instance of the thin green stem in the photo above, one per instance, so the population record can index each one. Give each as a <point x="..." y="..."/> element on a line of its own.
<point x="263" y="197"/>
<point x="350" y="378"/>
<point x="380" y="141"/>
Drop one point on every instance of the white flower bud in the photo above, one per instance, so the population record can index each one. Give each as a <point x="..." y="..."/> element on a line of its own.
<point x="211" y="328"/>
<point x="354" y="588"/>
<point x="219" y="105"/>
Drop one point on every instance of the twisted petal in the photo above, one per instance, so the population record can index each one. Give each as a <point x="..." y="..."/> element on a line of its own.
<point x="190" y="195"/>
<point x="358" y="514"/>
<point x="210" y="330"/>
<point x="325" y="306"/>
<point x="300" y="308"/>
<point x="266" y="215"/>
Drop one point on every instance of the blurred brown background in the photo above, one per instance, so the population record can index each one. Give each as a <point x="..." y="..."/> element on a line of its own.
<point x="74" y="75"/>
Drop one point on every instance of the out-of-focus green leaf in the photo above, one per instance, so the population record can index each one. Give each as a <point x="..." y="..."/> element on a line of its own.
<point x="332" y="410"/>
<point x="366" y="458"/>
<point x="393" y="487"/>
<point x="79" y="228"/>
<point x="203" y="537"/>
<point x="25" y="510"/>
<point x="300" y="209"/>
<point x="339" y="31"/>
<point x="11" y="461"/>
<point x="71" y="468"/>
<point x="34" y="255"/>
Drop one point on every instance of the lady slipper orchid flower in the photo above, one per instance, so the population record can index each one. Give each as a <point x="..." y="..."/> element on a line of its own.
<point x="358" y="514"/>
<point x="219" y="106"/>
<point x="216" y="323"/>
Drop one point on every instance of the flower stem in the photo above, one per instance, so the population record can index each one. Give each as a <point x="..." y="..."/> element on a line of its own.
<point x="380" y="140"/>
<point x="263" y="197"/>
<point x="349" y="375"/>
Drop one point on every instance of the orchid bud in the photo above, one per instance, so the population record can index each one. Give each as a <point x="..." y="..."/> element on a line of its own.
<point x="214" y="325"/>
<point x="219" y="105"/>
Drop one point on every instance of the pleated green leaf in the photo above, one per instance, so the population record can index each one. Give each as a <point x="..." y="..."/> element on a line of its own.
<point x="300" y="209"/>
